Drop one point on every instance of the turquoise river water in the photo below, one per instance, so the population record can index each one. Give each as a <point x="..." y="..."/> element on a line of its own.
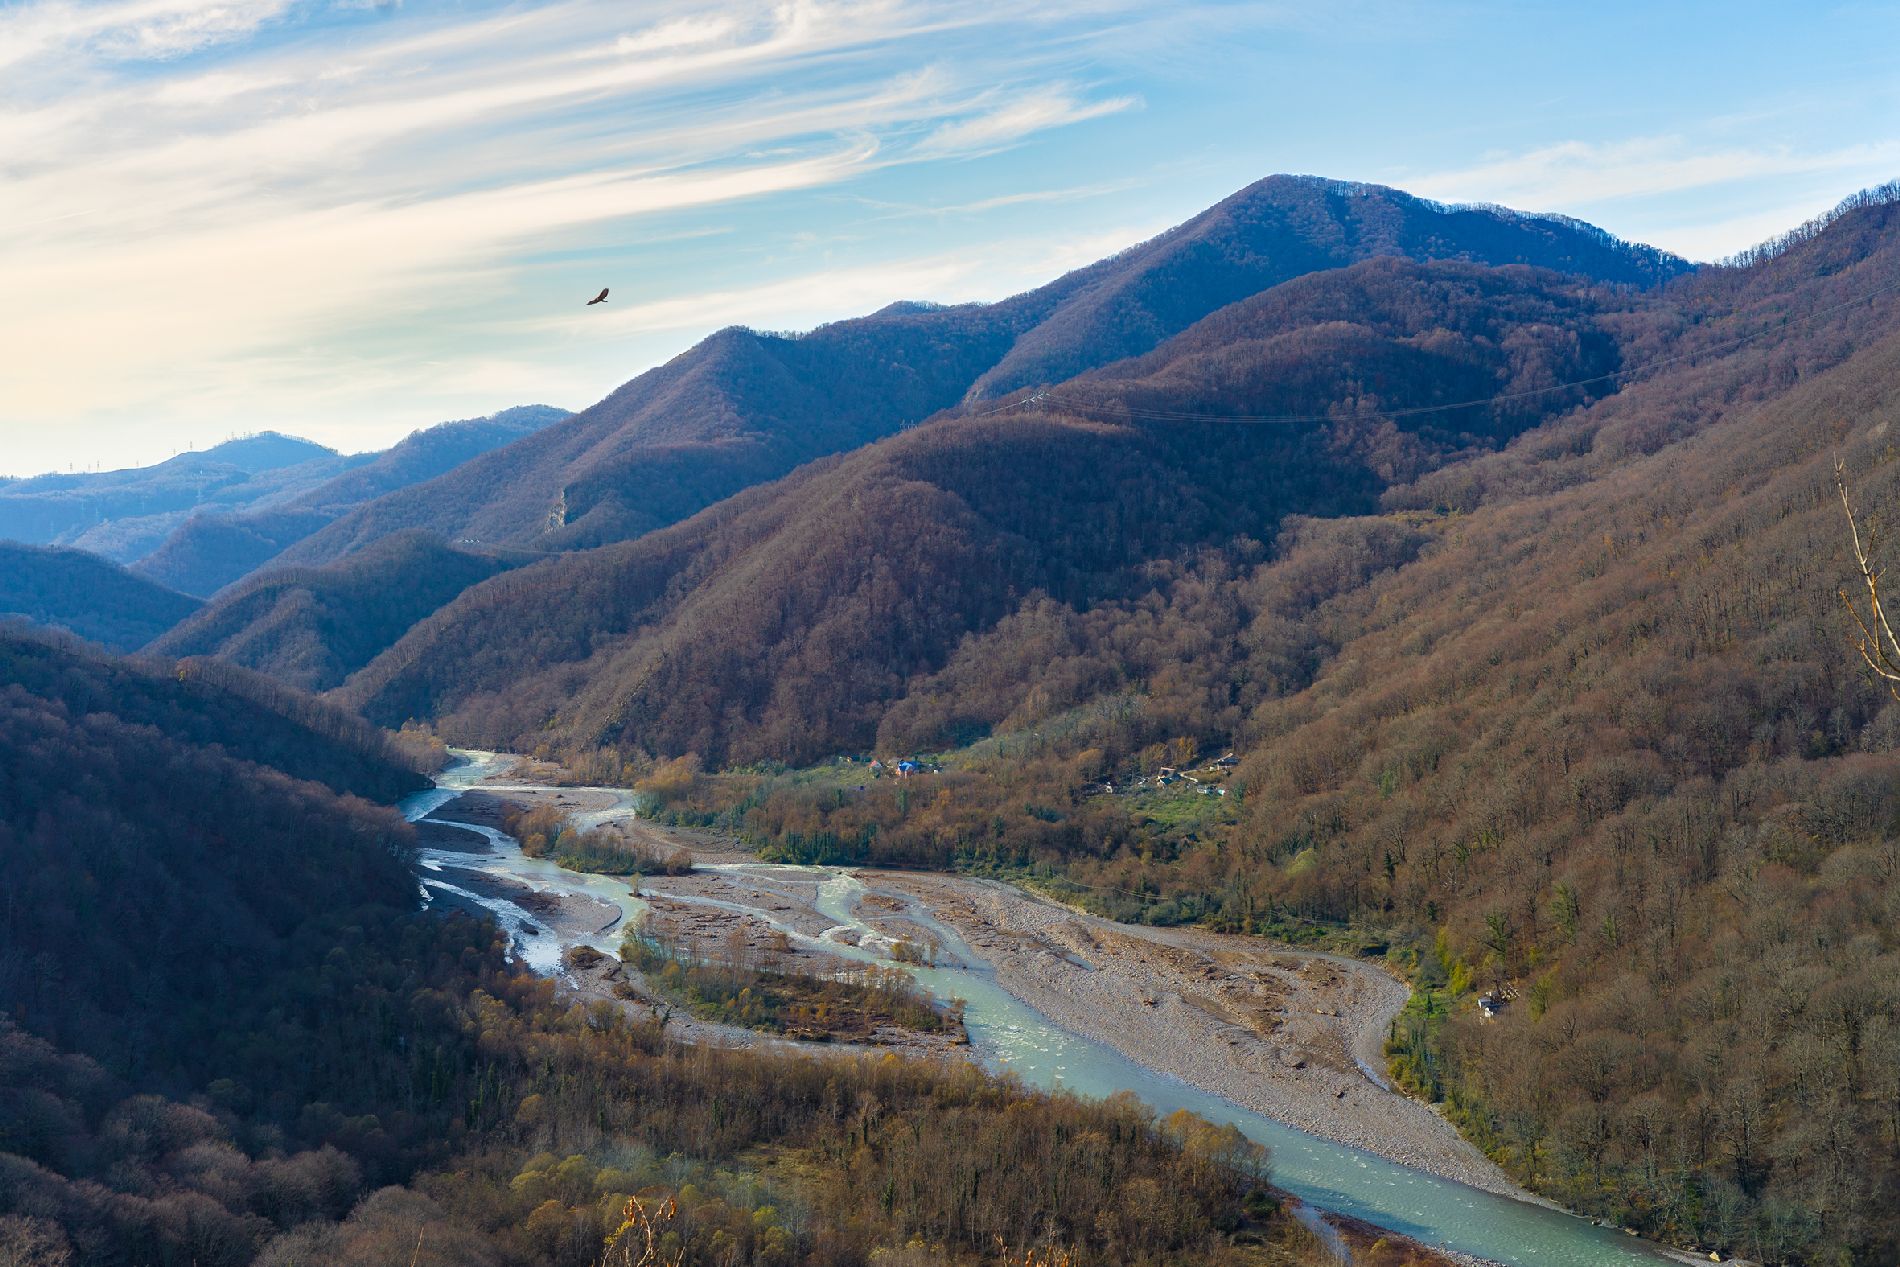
<point x="1006" y="1034"/>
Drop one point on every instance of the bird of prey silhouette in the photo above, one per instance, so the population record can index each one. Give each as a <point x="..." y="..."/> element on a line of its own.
<point x="601" y="298"/>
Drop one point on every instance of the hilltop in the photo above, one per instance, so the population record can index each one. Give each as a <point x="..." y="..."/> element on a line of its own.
<point x="313" y="627"/>
<point x="86" y="595"/>
<point x="744" y="407"/>
<point x="211" y="550"/>
<point x="199" y="520"/>
<point x="122" y="514"/>
<point x="784" y="622"/>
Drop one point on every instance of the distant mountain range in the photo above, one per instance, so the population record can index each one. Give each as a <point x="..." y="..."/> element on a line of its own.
<point x="1503" y="554"/>
<point x="209" y="551"/>
<point x="200" y="520"/>
<point x="122" y="514"/>
<point x="744" y="408"/>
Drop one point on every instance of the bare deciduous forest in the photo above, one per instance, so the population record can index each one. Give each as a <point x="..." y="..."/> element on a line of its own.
<point x="1524" y="637"/>
<point x="1578" y="721"/>
<point x="232" y="1038"/>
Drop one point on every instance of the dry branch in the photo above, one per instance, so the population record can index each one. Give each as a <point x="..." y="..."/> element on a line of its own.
<point x="1876" y="641"/>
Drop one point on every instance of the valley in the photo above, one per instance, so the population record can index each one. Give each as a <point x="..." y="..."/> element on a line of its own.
<point x="1223" y="634"/>
<point x="1283" y="1042"/>
<point x="869" y="684"/>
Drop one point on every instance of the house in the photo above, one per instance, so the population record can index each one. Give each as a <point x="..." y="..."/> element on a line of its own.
<point x="877" y="768"/>
<point x="907" y="768"/>
<point x="1223" y="763"/>
<point x="1489" y="1005"/>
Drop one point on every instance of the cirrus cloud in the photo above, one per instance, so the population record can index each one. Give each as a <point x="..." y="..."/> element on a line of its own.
<point x="258" y="188"/>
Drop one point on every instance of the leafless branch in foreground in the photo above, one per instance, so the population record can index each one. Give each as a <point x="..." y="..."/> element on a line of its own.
<point x="1876" y="641"/>
<point x="636" y="1243"/>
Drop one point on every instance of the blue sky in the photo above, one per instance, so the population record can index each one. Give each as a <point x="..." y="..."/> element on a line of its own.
<point x="348" y="219"/>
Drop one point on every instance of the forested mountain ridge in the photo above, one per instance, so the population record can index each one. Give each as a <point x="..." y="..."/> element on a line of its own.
<point x="171" y="903"/>
<point x="211" y="550"/>
<point x="313" y="627"/>
<point x="102" y="849"/>
<point x="783" y="623"/>
<point x="206" y="703"/>
<point x="743" y="407"/>
<point x="228" y="1035"/>
<point x="1618" y="750"/>
<point x="123" y="514"/>
<point x="86" y="595"/>
<point x="738" y="409"/>
<point x="1278" y="229"/>
<point x="1577" y="722"/>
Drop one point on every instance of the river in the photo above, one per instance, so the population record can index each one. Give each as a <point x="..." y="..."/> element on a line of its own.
<point x="1006" y="1034"/>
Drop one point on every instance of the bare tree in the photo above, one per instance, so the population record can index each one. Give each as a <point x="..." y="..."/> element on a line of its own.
<point x="1876" y="642"/>
<point x="636" y="1242"/>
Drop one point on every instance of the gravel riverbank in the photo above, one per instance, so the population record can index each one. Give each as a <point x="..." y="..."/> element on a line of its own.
<point x="1281" y="1032"/>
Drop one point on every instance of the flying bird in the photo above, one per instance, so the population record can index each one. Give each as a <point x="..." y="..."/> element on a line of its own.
<point x="601" y="298"/>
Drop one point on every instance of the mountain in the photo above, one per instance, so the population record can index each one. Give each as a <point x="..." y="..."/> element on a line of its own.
<point x="313" y="627"/>
<point x="229" y="1037"/>
<point x="211" y="550"/>
<point x="1608" y="738"/>
<point x="86" y="595"/>
<point x="249" y="494"/>
<point x="743" y="408"/>
<point x="207" y="937"/>
<point x="122" y="514"/>
<point x="1576" y="723"/>
<point x="782" y="623"/>
<point x="207" y="552"/>
<point x="121" y="792"/>
<point x="1549" y="697"/>
<point x="1276" y="230"/>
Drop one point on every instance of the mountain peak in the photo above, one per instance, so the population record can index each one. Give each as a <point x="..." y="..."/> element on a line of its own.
<point x="744" y="405"/>
<point x="263" y="451"/>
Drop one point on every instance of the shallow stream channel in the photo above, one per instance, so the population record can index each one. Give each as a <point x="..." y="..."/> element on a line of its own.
<point x="1006" y="1034"/>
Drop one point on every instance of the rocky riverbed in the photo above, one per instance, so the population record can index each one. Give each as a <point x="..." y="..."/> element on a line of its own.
<point x="1292" y="1034"/>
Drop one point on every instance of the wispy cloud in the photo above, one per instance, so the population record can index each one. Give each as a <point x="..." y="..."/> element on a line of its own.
<point x="1018" y="198"/>
<point x="1702" y="198"/>
<point x="810" y="298"/>
<point x="180" y="233"/>
<point x="129" y="29"/>
<point x="1011" y="118"/>
<point x="1584" y="173"/>
<point x="680" y="33"/>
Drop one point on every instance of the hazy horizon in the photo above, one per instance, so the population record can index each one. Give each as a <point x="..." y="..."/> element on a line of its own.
<point x="345" y="221"/>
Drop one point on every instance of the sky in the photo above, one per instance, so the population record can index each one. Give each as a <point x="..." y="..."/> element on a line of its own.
<point x="347" y="219"/>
